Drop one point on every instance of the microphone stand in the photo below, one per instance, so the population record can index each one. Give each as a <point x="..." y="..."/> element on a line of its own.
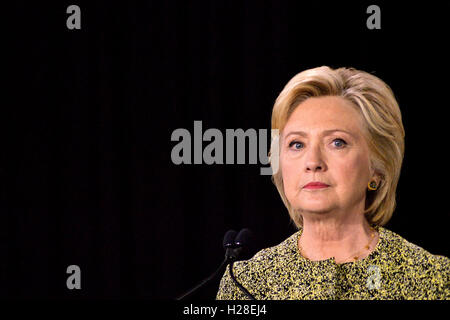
<point x="224" y="262"/>
<point x="233" y="249"/>
<point x="248" y="294"/>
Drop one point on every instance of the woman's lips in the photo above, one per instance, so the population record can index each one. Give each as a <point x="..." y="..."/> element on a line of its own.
<point x="315" y="185"/>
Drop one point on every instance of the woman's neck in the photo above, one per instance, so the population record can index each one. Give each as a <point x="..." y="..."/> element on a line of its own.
<point x="341" y="238"/>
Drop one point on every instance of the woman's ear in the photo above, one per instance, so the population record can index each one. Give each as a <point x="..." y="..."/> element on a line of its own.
<point x="377" y="176"/>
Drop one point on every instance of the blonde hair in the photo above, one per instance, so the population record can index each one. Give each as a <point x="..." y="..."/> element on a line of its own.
<point x="384" y="132"/>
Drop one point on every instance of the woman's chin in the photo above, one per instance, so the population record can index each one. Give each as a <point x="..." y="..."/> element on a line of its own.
<point x="316" y="208"/>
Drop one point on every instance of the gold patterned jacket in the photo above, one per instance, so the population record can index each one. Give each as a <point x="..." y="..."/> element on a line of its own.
<point x="395" y="269"/>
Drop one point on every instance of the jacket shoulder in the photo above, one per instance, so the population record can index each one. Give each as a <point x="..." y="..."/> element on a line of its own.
<point x="406" y="253"/>
<point x="422" y="273"/>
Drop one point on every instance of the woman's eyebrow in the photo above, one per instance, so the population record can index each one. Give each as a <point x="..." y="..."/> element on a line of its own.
<point x="324" y="133"/>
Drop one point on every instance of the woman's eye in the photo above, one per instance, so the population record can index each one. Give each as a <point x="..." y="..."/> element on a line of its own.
<point x="339" y="143"/>
<point x="297" y="145"/>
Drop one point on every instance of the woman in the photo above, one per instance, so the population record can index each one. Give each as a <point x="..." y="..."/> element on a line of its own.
<point x="340" y="147"/>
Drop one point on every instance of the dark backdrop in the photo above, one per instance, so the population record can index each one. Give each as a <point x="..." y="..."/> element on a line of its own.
<point x="86" y="173"/>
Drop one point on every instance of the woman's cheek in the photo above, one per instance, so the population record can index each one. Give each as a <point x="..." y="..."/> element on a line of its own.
<point x="354" y="169"/>
<point x="291" y="177"/>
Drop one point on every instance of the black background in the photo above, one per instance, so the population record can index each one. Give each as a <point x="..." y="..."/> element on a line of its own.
<point x="86" y="173"/>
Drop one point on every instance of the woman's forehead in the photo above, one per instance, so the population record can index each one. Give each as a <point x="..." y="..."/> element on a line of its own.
<point x="316" y="115"/>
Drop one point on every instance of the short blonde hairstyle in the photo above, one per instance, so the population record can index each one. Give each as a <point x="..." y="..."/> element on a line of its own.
<point x="383" y="132"/>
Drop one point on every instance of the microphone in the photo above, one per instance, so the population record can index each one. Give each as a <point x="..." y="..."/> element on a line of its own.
<point x="243" y="238"/>
<point x="229" y="245"/>
<point x="234" y="244"/>
<point x="241" y="243"/>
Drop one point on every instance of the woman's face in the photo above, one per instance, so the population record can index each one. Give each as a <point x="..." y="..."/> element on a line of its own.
<point x="323" y="141"/>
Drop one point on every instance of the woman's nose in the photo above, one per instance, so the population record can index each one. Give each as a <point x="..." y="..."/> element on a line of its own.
<point x="314" y="160"/>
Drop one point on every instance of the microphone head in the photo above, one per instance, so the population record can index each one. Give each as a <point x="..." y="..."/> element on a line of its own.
<point x="243" y="238"/>
<point x="229" y="239"/>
